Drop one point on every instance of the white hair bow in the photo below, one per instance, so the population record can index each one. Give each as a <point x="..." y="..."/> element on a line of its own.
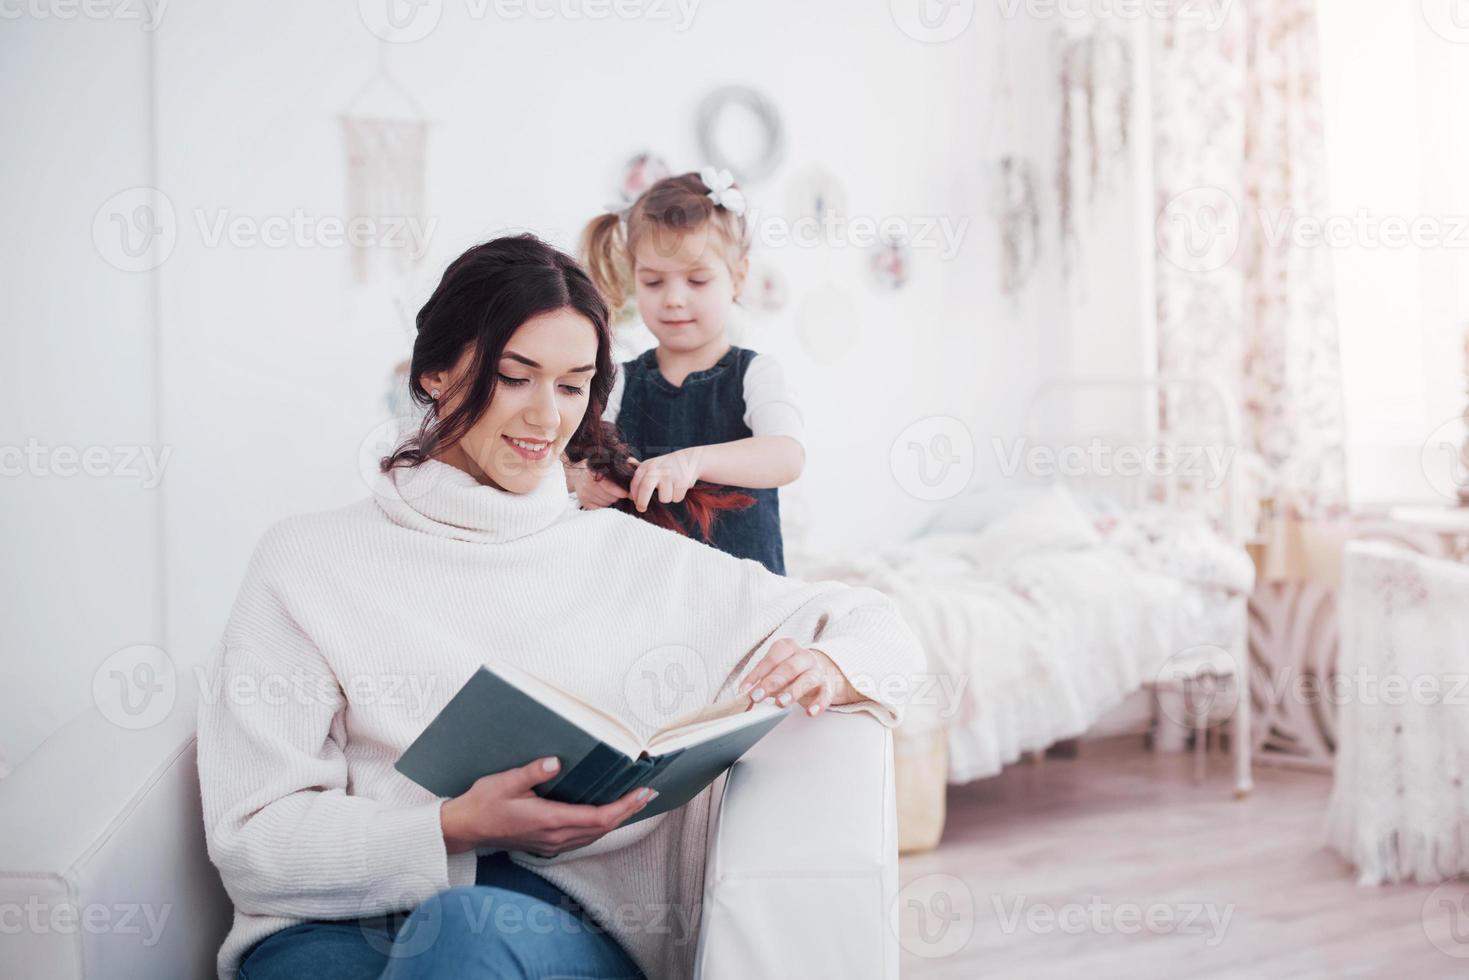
<point x="722" y="190"/>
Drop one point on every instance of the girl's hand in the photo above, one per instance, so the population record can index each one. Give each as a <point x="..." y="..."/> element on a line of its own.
<point x="790" y="672"/>
<point x="592" y="491"/>
<point x="670" y="476"/>
<point x="501" y="811"/>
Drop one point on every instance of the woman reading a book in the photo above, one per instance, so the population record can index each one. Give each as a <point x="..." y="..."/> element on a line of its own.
<point x="365" y="621"/>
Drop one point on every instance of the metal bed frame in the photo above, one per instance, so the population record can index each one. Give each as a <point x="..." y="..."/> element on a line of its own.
<point x="1223" y="503"/>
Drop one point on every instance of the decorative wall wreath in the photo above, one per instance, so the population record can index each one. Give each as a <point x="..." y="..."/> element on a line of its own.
<point x="747" y="166"/>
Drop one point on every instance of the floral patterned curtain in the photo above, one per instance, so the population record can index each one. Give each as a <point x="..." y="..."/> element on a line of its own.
<point x="1238" y="155"/>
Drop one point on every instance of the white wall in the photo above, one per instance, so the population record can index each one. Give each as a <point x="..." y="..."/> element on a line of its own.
<point x="275" y="364"/>
<point x="79" y="574"/>
<point x="272" y="365"/>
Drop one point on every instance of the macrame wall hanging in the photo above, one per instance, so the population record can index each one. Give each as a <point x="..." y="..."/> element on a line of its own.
<point x="1096" y="97"/>
<point x="385" y="135"/>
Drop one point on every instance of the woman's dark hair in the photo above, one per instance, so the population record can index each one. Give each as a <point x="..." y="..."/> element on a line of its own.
<point x="483" y="298"/>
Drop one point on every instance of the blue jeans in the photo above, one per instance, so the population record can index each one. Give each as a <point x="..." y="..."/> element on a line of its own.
<point x="512" y="924"/>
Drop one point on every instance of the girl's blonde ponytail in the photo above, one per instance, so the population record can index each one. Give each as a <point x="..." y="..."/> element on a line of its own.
<point x="604" y="253"/>
<point x="672" y="208"/>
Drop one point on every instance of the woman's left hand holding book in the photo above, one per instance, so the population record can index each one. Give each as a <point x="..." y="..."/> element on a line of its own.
<point x="502" y="811"/>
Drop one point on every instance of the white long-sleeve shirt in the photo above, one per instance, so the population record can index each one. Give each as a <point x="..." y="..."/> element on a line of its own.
<point x="772" y="406"/>
<point x="353" y="627"/>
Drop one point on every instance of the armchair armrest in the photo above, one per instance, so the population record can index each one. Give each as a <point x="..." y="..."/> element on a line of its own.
<point x="102" y="856"/>
<point x="103" y="867"/>
<point x="802" y="867"/>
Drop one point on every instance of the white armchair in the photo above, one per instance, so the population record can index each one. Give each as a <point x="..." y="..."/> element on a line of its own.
<point x="104" y="873"/>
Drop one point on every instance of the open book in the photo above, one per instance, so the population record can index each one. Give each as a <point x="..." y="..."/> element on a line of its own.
<point x="502" y="718"/>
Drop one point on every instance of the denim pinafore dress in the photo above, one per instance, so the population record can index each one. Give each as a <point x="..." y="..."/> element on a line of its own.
<point x="657" y="417"/>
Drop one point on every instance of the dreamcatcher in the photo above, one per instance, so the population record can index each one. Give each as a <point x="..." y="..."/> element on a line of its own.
<point x="1096" y="86"/>
<point x="1019" y="216"/>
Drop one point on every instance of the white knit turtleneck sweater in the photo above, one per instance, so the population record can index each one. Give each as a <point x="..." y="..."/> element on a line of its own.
<point x="355" y="626"/>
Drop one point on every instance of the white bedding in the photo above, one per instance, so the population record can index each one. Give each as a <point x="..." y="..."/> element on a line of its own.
<point x="1046" y="617"/>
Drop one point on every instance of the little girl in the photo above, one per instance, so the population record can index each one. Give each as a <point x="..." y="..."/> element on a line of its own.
<point x="694" y="407"/>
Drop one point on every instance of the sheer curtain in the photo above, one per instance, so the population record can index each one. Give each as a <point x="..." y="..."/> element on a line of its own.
<point x="1310" y="176"/>
<point x="1239" y="152"/>
<point x="1239" y="159"/>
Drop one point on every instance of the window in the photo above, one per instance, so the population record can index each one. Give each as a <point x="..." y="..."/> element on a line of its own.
<point x="1397" y="139"/>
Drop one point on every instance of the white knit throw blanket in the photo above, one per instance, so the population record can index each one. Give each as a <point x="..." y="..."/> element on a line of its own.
<point x="1399" y="805"/>
<point x="353" y="627"/>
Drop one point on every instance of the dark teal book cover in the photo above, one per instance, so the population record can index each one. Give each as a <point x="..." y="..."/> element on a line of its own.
<point x="493" y="724"/>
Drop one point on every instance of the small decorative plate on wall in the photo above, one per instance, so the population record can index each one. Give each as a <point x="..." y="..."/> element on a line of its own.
<point x="816" y="194"/>
<point x="765" y="289"/>
<point x="890" y="264"/>
<point x="639" y="173"/>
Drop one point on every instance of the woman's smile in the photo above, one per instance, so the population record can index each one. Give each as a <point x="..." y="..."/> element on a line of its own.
<point x="533" y="449"/>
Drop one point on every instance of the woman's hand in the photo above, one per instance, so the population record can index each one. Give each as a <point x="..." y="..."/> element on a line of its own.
<point x="670" y="476"/>
<point x="501" y="811"/>
<point x="591" y="489"/>
<point x="790" y="672"/>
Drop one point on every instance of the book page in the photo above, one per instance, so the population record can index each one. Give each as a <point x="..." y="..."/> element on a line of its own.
<point x="697" y="726"/>
<point x="719" y="709"/>
<point x="593" y="720"/>
<point x="716" y="720"/>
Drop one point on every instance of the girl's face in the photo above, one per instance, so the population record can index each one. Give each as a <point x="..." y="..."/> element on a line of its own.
<point x="540" y="397"/>
<point x="685" y="286"/>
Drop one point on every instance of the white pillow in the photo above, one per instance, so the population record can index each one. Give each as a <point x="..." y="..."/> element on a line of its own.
<point x="1053" y="521"/>
<point x="977" y="509"/>
<point x="1182" y="545"/>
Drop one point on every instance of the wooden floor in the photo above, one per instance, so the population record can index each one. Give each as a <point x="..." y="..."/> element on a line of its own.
<point x="1057" y="869"/>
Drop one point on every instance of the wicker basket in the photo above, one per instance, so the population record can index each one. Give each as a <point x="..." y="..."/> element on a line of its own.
<point x="920" y="768"/>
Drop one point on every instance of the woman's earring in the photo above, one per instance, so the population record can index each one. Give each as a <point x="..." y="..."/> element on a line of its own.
<point x="434" y="393"/>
